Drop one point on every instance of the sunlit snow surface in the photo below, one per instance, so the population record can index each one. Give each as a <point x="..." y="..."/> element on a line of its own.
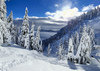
<point x="15" y="58"/>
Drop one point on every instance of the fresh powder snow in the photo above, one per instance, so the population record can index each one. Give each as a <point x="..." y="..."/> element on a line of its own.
<point x="16" y="58"/>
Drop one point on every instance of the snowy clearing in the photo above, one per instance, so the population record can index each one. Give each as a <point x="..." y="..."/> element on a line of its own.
<point x="15" y="58"/>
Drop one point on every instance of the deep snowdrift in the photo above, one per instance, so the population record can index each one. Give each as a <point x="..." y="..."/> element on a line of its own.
<point x="15" y="58"/>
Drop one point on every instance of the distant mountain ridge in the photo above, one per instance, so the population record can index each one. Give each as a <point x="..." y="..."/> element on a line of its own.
<point x="46" y="23"/>
<point x="91" y="18"/>
<point x="49" y="26"/>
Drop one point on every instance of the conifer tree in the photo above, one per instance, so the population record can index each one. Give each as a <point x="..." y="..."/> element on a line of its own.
<point x="92" y="36"/>
<point x="76" y="41"/>
<point x="49" y="49"/>
<point x="70" y="55"/>
<point x="3" y="11"/>
<point x="24" y="38"/>
<point x="32" y="38"/>
<point x="84" y="49"/>
<point x="61" y="50"/>
<point x="98" y="10"/>
<point x="38" y="38"/>
<point x="11" y="27"/>
<point x="3" y="22"/>
<point x="1" y="38"/>
<point x="26" y="45"/>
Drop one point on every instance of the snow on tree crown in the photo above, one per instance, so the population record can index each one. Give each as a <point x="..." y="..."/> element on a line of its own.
<point x="26" y="11"/>
<point x="11" y="13"/>
<point x="39" y="28"/>
<point x="26" y="16"/>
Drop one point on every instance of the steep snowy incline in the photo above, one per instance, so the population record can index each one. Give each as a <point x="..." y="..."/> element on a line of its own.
<point x="95" y="24"/>
<point x="15" y="58"/>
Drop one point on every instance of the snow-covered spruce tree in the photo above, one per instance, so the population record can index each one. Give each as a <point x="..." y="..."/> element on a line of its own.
<point x="84" y="49"/>
<point x="10" y="24"/>
<point x="32" y="38"/>
<point x="11" y="27"/>
<point x="38" y="39"/>
<point x="81" y="29"/>
<point x="26" y="45"/>
<point x="70" y="55"/>
<point x="49" y="49"/>
<point x="3" y="21"/>
<point x="76" y="41"/>
<point x="1" y="38"/>
<point x="24" y="38"/>
<point x="60" y="50"/>
<point x="92" y="36"/>
<point x="3" y="11"/>
<point x="98" y="10"/>
<point x="65" y="45"/>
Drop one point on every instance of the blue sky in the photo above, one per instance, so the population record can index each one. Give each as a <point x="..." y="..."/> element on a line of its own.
<point x="52" y="8"/>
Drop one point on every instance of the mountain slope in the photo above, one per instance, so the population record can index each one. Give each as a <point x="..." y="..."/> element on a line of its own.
<point x="89" y="18"/>
<point x="15" y="58"/>
<point x="93" y="23"/>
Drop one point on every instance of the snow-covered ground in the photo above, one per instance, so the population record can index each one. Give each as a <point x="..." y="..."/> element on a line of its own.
<point x="15" y="58"/>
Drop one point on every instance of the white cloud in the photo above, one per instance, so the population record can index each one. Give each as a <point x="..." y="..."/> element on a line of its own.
<point x="48" y="13"/>
<point x="66" y="12"/>
<point x="52" y="22"/>
<point x="33" y="17"/>
<point x="19" y="18"/>
<point x="86" y="8"/>
<point x="56" y="5"/>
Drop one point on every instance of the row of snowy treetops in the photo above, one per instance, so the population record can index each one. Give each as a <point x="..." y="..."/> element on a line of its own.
<point x="27" y="39"/>
<point x="81" y="41"/>
<point x="22" y="36"/>
<point x="79" y="46"/>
